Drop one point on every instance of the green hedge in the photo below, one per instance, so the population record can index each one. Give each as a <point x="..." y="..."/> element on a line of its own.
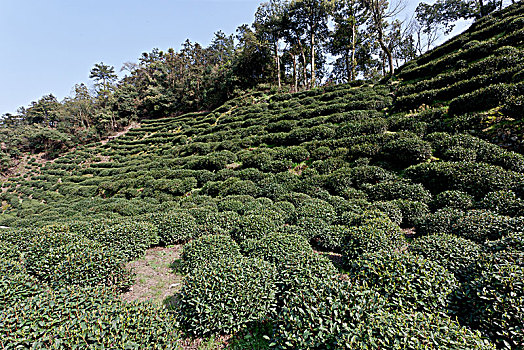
<point x="408" y="282"/>
<point x="277" y="248"/>
<point x="60" y="258"/>
<point x="457" y="255"/>
<point x="74" y="318"/>
<point x="225" y="295"/>
<point x="207" y="249"/>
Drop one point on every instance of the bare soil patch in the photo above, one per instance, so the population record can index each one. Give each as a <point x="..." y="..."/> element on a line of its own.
<point x="155" y="279"/>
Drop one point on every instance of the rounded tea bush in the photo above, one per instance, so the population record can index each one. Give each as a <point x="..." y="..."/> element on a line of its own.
<point x="373" y="235"/>
<point x="207" y="249"/>
<point x="456" y="254"/>
<point x="225" y="295"/>
<point x="317" y="317"/>
<point x="15" y="284"/>
<point x="62" y="259"/>
<point x="278" y="248"/>
<point x="174" y="227"/>
<point x="411" y="330"/>
<point x="452" y="199"/>
<point x="254" y="226"/>
<point x="409" y="282"/>
<point x="86" y="318"/>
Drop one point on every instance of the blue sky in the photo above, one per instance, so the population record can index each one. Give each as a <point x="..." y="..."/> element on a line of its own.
<point x="49" y="46"/>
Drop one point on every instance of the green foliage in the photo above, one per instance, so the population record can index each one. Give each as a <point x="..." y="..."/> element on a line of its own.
<point x="408" y="282"/>
<point x="254" y="226"/>
<point x="457" y="255"/>
<point x="75" y="317"/>
<point x="60" y="258"/>
<point x="374" y="234"/>
<point x="225" y="295"/>
<point x="174" y="227"/>
<point x="404" y="152"/>
<point x="206" y="250"/>
<point x="278" y="248"/>
<point x="452" y="199"/>
<point x="15" y="284"/>
<point x="411" y="330"/>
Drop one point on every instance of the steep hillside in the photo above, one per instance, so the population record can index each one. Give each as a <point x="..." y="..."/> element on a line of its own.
<point x="478" y="75"/>
<point x="346" y="216"/>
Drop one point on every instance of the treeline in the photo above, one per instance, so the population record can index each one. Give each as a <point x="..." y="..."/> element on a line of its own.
<point x="292" y="45"/>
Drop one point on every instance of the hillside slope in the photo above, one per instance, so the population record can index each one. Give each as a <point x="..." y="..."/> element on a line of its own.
<point x="398" y="181"/>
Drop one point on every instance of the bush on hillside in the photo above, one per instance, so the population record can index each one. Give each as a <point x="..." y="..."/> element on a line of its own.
<point x="254" y="226"/>
<point x="452" y="199"/>
<point x="408" y="282"/>
<point x="411" y="330"/>
<point x="225" y="295"/>
<point x="72" y="318"/>
<point x="384" y="191"/>
<point x="62" y="259"/>
<point x="404" y="152"/>
<point x="456" y="254"/>
<point x="207" y="249"/>
<point x="372" y="235"/>
<point x="503" y="203"/>
<point x="16" y="284"/>
<point x="277" y="248"/>
<point x="173" y="227"/>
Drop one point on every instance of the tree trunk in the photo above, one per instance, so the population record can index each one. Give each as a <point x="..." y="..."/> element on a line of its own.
<point x="277" y="59"/>
<point x="304" y="65"/>
<point x="353" y="49"/>
<point x="313" y="73"/>
<point x="295" y="76"/>
<point x="387" y="52"/>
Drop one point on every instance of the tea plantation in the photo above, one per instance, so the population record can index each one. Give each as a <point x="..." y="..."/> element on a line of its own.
<point x="357" y="216"/>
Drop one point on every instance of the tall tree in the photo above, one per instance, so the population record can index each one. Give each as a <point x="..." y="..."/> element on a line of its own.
<point x="348" y="17"/>
<point x="269" y="28"/>
<point x="313" y="16"/>
<point x="381" y="13"/>
<point x="103" y="75"/>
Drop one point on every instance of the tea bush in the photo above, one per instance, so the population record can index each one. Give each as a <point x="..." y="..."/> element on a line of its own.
<point x="254" y="226"/>
<point x="173" y="227"/>
<point x="60" y="259"/>
<point x="277" y="248"/>
<point x="408" y="282"/>
<point x="73" y="318"/>
<point x="452" y="199"/>
<point x="225" y="295"/>
<point x="457" y="255"/>
<point x="411" y="330"/>
<point x="207" y="249"/>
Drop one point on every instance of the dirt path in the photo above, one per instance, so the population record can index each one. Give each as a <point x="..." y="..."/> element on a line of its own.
<point x="155" y="279"/>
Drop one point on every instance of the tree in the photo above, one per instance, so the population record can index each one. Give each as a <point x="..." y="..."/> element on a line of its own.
<point x="312" y="16"/>
<point x="104" y="76"/>
<point x="446" y="12"/>
<point x="348" y="17"/>
<point x="270" y="29"/>
<point x="380" y="14"/>
<point x="81" y="106"/>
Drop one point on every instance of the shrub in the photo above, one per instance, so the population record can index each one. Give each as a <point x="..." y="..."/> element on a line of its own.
<point x="411" y="330"/>
<point x="457" y="255"/>
<point x="206" y="249"/>
<point x="15" y="284"/>
<point x="476" y="225"/>
<point x="277" y="248"/>
<point x="254" y="226"/>
<point x="503" y="203"/>
<point x="317" y="209"/>
<point x="60" y="259"/>
<point x="368" y="174"/>
<point x="477" y="179"/>
<point x="219" y="222"/>
<point x="397" y="190"/>
<point x="408" y="282"/>
<point x="452" y="199"/>
<point x="404" y="152"/>
<point x="373" y="234"/>
<point x="412" y="211"/>
<point x="173" y="227"/>
<point x="129" y="238"/>
<point x="331" y="238"/>
<point x="390" y="209"/>
<point x="225" y="295"/>
<point x="73" y="318"/>
<point x="316" y="317"/>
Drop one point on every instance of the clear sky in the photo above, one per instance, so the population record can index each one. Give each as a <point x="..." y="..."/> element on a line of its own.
<point x="49" y="46"/>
